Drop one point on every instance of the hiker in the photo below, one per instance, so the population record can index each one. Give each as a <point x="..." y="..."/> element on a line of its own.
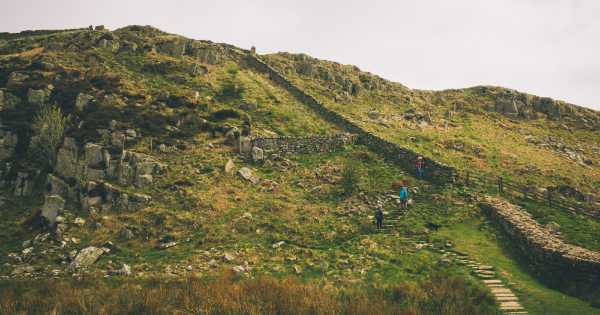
<point x="419" y="166"/>
<point x="404" y="195"/>
<point x="379" y="217"/>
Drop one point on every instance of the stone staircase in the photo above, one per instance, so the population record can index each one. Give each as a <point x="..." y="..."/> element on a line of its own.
<point x="507" y="301"/>
<point x="505" y="297"/>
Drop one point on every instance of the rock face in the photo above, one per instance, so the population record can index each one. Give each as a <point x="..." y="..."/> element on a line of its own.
<point x="91" y="168"/>
<point x="23" y="185"/>
<point x="87" y="257"/>
<point x="7" y="100"/>
<point x="82" y="101"/>
<point x="53" y="204"/>
<point x="39" y="97"/>
<point x="8" y="142"/>
<point x="561" y="262"/>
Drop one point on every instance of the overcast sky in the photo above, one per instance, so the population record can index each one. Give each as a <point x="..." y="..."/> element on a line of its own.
<point x="545" y="47"/>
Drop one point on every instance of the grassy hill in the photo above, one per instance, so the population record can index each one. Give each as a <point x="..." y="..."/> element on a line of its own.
<point x="309" y="218"/>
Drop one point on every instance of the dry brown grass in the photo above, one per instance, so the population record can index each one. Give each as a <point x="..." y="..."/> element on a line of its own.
<point x="226" y="295"/>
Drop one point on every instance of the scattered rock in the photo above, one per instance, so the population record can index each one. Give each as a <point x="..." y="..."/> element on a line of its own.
<point x="258" y="154"/>
<point x="248" y="175"/>
<point x="229" y="166"/>
<point x="166" y="245"/>
<point x="87" y="257"/>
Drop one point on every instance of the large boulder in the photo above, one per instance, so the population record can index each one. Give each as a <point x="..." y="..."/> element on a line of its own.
<point x="86" y="257"/>
<point x="53" y="205"/>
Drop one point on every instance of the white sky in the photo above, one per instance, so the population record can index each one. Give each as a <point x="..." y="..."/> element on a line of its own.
<point x="545" y="47"/>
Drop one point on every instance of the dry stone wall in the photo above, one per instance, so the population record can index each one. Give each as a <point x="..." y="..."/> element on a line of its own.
<point x="561" y="264"/>
<point x="303" y="145"/>
<point x="403" y="157"/>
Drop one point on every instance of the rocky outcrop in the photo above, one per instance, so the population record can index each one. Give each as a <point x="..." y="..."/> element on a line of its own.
<point x="91" y="169"/>
<point x="53" y="205"/>
<point x="39" y="97"/>
<point x="23" y="184"/>
<point x="8" y="143"/>
<point x="8" y="100"/>
<point x="556" y="261"/>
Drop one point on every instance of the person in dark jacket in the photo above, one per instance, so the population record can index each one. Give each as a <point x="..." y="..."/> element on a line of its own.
<point x="379" y="217"/>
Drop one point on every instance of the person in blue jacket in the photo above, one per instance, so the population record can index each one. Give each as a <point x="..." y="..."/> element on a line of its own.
<point x="404" y="195"/>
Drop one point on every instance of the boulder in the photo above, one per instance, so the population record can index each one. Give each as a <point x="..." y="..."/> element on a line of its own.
<point x="53" y="204"/>
<point x="82" y="101"/>
<point x="248" y="175"/>
<point x="229" y="166"/>
<point x="67" y="159"/>
<point x="94" y="156"/>
<point x="17" y="78"/>
<point x="38" y="97"/>
<point x="373" y="115"/>
<point x="124" y="271"/>
<point x="143" y="181"/>
<point x="86" y="257"/>
<point x="258" y="154"/>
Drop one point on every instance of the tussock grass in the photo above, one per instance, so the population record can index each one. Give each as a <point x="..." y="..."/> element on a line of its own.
<point x="229" y="295"/>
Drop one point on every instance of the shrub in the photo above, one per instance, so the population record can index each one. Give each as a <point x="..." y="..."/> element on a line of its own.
<point x="231" y="89"/>
<point x="48" y="127"/>
<point x="350" y="178"/>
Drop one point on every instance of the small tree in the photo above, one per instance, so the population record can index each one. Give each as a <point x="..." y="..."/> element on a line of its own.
<point x="350" y="178"/>
<point x="48" y="128"/>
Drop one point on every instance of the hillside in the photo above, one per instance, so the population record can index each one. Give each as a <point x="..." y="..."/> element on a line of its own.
<point x="178" y="161"/>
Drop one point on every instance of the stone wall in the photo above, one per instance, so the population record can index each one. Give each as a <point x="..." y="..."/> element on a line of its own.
<point x="303" y="145"/>
<point x="403" y="157"/>
<point x="568" y="267"/>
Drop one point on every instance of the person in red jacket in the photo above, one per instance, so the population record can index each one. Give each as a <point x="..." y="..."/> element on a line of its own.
<point x="419" y="165"/>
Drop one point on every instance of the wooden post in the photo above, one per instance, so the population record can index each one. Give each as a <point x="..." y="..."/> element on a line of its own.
<point x="549" y="195"/>
<point x="468" y="179"/>
<point x="500" y="185"/>
<point x="123" y="147"/>
<point x="150" y="144"/>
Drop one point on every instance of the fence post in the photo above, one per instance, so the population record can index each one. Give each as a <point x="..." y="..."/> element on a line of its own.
<point x="150" y="145"/>
<point x="549" y="195"/>
<point x="124" y="139"/>
<point x="500" y="185"/>
<point x="468" y="179"/>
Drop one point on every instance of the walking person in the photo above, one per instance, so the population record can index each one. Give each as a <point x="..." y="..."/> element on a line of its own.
<point x="379" y="217"/>
<point x="419" y="165"/>
<point x="404" y="195"/>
